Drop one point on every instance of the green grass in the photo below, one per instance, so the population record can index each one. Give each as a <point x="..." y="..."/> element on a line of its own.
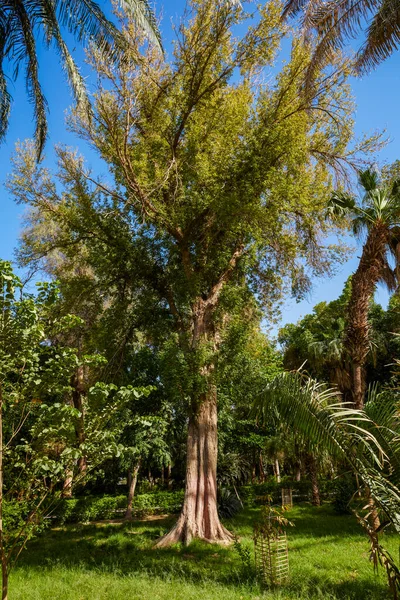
<point x="328" y="559"/>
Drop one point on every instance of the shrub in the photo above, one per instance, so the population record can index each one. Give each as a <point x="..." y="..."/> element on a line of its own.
<point x="92" y="508"/>
<point x="228" y="503"/>
<point x="344" y="491"/>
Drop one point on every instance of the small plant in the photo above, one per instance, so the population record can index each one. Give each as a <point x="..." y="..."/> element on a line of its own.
<point x="244" y="554"/>
<point x="270" y="544"/>
<point x="228" y="503"/>
<point x="344" y="492"/>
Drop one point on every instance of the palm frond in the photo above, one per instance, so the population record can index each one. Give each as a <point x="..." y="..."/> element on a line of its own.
<point x="307" y="406"/>
<point x="383" y="37"/>
<point x="340" y="204"/>
<point x="74" y="76"/>
<point x="23" y="34"/>
<point x="369" y="179"/>
<point x="5" y="98"/>
<point x="140" y="11"/>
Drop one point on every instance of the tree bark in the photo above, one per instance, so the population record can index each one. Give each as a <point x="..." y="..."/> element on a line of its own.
<point x="359" y="385"/>
<point x="277" y="471"/>
<point x="199" y="517"/>
<point x="132" y="478"/>
<point x="370" y="270"/>
<point x="67" y="485"/>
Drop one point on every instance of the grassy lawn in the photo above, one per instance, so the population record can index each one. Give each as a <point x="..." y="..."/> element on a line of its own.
<point x="114" y="561"/>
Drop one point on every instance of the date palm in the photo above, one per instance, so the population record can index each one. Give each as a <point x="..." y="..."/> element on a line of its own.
<point x="335" y="21"/>
<point x="378" y="216"/>
<point x="21" y="23"/>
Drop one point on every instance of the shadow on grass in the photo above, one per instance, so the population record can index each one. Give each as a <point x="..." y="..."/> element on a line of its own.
<point x="127" y="548"/>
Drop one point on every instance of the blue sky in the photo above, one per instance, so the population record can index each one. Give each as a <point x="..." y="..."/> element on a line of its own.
<point x="377" y="109"/>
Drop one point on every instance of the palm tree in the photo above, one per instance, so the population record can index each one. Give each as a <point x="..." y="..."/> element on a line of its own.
<point x="367" y="440"/>
<point x="21" y="21"/>
<point x="335" y="21"/>
<point x="377" y="215"/>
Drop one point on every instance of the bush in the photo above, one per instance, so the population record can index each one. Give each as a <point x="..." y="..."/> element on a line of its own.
<point x="344" y="491"/>
<point x="93" y="508"/>
<point x="14" y="515"/>
<point x="228" y="503"/>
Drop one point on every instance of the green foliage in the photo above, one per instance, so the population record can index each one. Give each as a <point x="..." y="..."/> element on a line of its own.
<point x="344" y="492"/>
<point x="84" y="20"/>
<point x="328" y="559"/>
<point x="92" y="508"/>
<point x="228" y="503"/>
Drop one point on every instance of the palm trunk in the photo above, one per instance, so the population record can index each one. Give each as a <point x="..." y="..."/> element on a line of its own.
<point x="358" y="386"/>
<point x="370" y="270"/>
<point x="132" y="478"/>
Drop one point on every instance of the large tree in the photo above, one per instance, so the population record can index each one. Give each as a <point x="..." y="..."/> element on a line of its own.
<point x="21" y="23"/>
<point x="378" y="214"/>
<point x="221" y="184"/>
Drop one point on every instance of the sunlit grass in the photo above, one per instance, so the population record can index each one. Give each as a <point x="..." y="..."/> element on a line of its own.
<point x="328" y="559"/>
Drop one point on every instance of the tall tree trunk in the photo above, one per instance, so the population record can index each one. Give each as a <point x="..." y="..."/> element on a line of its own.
<point x="199" y="517"/>
<point x="4" y="565"/>
<point x="78" y="386"/>
<point x="67" y="485"/>
<point x="370" y="270"/>
<point x="132" y="479"/>
<point x="312" y="470"/>
<point x="297" y="475"/>
<point x="277" y="471"/>
<point x="169" y="481"/>
<point x="261" y="467"/>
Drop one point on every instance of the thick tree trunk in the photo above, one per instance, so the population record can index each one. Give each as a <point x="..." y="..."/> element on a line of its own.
<point x="199" y="517"/>
<point x="297" y="475"/>
<point x="370" y="270"/>
<point x="132" y="479"/>
<point x="358" y="385"/>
